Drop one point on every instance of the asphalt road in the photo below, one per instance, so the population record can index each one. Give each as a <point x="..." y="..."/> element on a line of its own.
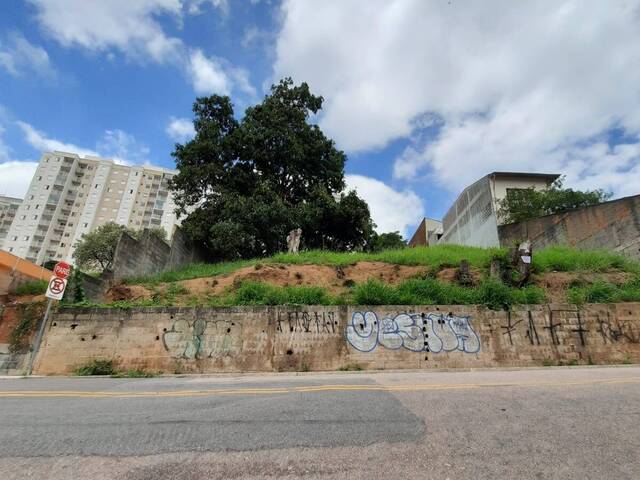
<point x="563" y="423"/>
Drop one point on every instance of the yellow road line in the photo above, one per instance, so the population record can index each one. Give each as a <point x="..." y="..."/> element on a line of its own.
<point x="304" y="389"/>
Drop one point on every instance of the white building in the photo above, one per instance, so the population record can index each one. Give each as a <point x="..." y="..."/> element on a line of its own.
<point x="71" y="195"/>
<point x="474" y="217"/>
<point x="8" y="208"/>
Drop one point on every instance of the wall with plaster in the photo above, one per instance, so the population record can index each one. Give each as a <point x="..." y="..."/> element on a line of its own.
<point x="178" y="339"/>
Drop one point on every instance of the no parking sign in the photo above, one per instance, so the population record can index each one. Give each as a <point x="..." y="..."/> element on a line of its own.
<point x="58" y="282"/>
<point x="56" y="287"/>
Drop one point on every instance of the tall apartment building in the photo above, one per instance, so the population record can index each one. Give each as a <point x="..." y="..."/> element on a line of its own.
<point x="71" y="195"/>
<point x="474" y="217"/>
<point x="8" y="208"/>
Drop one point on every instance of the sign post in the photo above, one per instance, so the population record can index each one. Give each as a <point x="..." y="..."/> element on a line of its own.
<point x="55" y="291"/>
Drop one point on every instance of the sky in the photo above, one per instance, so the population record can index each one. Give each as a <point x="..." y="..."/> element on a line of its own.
<point x="424" y="97"/>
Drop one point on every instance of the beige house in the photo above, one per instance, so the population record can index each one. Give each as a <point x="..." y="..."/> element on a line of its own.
<point x="71" y="195"/>
<point x="474" y="217"/>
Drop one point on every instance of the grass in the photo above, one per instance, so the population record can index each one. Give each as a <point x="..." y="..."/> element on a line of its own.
<point x="32" y="287"/>
<point x="558" y="258"/>
<point x="436" y="257"/>
<point x="604" y="292"/>
<point x="492" y="293"/>
<point x="566" y="259"/>
<point x="96" y="366"/>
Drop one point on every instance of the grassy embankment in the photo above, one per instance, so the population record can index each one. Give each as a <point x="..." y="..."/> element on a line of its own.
<point x="422" y="290"/>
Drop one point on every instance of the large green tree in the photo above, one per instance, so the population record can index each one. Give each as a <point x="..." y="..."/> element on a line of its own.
<point x="245" y="184"/>
<point x="525" y="203"/>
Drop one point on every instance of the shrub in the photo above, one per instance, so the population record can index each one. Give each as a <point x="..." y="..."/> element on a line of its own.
<point x="96" y="367"/>
<point x="32" y="287"/>
<point x="350" y="367"/>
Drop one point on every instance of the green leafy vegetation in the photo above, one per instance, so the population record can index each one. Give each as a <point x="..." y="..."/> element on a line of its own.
<point x="492" y="293"/>
<point x="244" y="184"/>
<point x="605" y="292"/>
<point x="96" y="366"/>
<point x="566" y="259"/>
<point x="29" y="315"/>
<point x="350" y="367"/>
<point x="32" y="287"/>
<point x="525" y="203"/>
<point x="436" y="257"/>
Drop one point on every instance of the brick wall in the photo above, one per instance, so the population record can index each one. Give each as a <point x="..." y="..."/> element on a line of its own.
<point x="613" y="225"/>
<point x="175" y="339"/>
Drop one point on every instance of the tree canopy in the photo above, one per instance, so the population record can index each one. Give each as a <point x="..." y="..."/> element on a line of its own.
<point x="387" y="241"/>
<point x="523" y="204"/>
<point x="244" y="184"/>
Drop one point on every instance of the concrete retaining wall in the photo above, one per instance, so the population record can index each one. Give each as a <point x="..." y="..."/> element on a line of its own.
<point x="150" y="255"/>
<point x="175" y="340"/>
<point x="613" y="225"/>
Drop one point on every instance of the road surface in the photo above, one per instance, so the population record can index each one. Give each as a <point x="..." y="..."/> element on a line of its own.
<point x="543" y="423"/>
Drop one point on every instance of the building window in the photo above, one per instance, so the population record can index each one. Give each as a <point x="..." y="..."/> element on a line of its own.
<point x="131" y="191"/>
<point x="96" y="186"/>
<point x="23" y="217"/>
<point x="26" y="237"/>
<point x="39" y="178"/>
<point x="14" y="239"/>
<point x="37" y="207"/>
<point x="10" y="249"/>
<point x="85" y="225"/>
<point x="30" y="197"/>
<point x="35" y="217"/>
<point x="62" y="244"/>
<point x="46" y="187"/>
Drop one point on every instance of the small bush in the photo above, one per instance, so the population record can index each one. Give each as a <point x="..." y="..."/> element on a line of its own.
<point x="351" y="367"/>
<point x="32" y="287"/>
<point x="29" y="315"/>
<point x="566" y="259"/>
<point x="547" y="362"/>
<point x="96" y="367"/>
<point x="373" y="292"/>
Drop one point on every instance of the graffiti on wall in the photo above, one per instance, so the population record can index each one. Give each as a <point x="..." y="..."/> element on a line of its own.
<point x="417" y="332"/>
<point x="306" y="322"/>
<point x="203" y="339"/>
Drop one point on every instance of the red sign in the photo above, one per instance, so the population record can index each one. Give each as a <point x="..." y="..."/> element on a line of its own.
<point x="62" y="270"/>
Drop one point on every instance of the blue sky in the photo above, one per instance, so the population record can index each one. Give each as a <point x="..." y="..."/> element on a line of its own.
<point x="424" y="97"/>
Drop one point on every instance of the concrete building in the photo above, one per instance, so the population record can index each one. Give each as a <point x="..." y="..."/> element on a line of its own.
<point x="474" y="217"/>
<point x="428" y="233"/>
<point x="8" y="208"/>
<point x="71" y="195"/>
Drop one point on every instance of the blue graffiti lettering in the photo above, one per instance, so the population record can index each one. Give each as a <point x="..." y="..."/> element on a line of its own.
<point x="416" y="332"/>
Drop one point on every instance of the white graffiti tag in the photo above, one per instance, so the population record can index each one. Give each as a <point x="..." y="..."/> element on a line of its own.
<point x="414" y="331"/>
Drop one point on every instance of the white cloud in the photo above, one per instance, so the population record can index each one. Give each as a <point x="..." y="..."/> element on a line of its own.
<point x="180" y="129"/>
<point x="512" y="85"/>
<point x="115" y="144"/>
<point x="391" y="209"/>
<point x="15" y="177"/>
<point x="207" y="75"/>
<point x="40" y="141"/>
<point x="18" y="56"/>
<point x="129" y="26"/>
<point x="132" y="28"/>
<point x="195" y="6"/>
<point x="122" y="147"/>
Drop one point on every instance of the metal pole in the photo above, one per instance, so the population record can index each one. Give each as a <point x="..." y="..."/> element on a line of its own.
<point x="36" y="345"/>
